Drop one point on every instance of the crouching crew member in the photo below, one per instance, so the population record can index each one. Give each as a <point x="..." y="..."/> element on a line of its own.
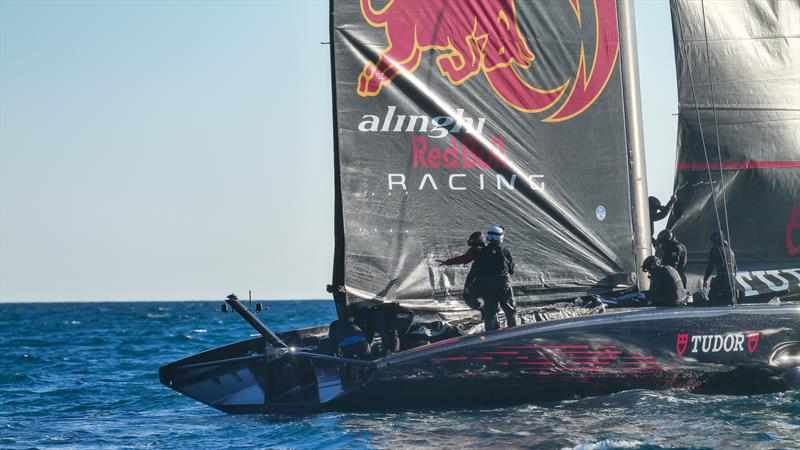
<point x="389" y="320"/>
<point x="493" y="268"/>
<point x="348" y="340"/>
<point x="722" y="261"/>
<point x="666" y="288"/>
<point x="672" y="253"/>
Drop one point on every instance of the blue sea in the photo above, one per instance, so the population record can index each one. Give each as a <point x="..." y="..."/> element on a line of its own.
<point x="84" y="375"/>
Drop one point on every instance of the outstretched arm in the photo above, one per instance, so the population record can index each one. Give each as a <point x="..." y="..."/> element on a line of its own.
<point x="466" y="258"/>
<point x="664" y="211"/>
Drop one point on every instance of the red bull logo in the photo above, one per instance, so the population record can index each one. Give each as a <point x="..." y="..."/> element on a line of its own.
<point x="791" y="227"/>
<point x="483" y="37"/>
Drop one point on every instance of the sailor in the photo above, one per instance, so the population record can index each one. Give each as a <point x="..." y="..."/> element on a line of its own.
<point x="666" y="288"/>
<point x="475" y="242"/>
<point x="348" y="340"/>
<point x="658" y="212"/>
<point x="722" y="261"/>
<point x="493" y="268"/>
<point x="672" y="253"/>
<point x="389" y="320"/>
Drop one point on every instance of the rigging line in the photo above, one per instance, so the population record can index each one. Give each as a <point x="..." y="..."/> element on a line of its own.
<point x="705" y="153"/>
<point x="716" y="124"/>
<point x="731" y="283"/>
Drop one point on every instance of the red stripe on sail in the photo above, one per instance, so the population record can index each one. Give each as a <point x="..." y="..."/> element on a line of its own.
<point x="739" y="165"/>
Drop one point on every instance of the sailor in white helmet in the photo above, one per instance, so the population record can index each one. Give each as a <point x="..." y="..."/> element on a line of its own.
<point x="493" y="268"/>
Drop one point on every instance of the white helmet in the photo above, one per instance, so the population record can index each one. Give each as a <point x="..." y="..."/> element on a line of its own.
<point x="495" y="234"/>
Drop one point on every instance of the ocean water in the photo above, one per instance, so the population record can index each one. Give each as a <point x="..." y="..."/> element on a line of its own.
<point x="84" y="375"/>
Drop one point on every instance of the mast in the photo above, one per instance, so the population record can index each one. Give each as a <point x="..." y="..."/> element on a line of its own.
<point x="337" y="279"/>
<point x="635" y="137"/>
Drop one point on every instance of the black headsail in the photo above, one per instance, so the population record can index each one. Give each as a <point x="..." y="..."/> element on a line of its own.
<point x="453" y="116"/>
<point x="738" y="168"/>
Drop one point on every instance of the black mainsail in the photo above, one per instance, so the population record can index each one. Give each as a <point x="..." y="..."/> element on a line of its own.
<point x="738" y="164"/>
<point x="455" y="116"/>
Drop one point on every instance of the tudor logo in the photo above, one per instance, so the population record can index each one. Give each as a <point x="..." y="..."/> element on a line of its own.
<point x="714" y="343"/>
<point x="752" y="341"/>
<point x="791" y="227"/>
<point x="683" y="341"/>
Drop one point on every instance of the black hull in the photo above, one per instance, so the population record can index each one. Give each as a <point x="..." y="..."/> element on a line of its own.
<point x="743" y="350"/>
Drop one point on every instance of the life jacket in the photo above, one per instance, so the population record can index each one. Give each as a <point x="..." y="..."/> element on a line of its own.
<point x="493" y="264"/>
<point x="669" y="287"/>
<point x="673" y="254"/>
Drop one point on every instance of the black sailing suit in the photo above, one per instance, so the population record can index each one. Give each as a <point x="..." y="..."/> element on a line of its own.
<point x="658" y="212"/>
<point x="719" y="292"/>
<point x="390" y="320"/>
<point x="492" y="268"/>
<point x="673" y="254"/>
<point x="666" y="288"/>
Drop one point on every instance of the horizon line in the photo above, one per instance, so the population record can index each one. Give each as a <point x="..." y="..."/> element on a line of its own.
<point x="182" y="300"/>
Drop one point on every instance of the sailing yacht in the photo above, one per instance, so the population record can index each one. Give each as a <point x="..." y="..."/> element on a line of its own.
<point x="451" y="117"/>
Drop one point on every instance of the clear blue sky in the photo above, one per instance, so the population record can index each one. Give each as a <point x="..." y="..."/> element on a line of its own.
<point x="183" y="150"/>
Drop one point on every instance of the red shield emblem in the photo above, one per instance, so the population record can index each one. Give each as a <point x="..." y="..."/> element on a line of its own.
<point x="791" y="228"/>
<point x="682" y="343"/>
<point x="752" y="341"/>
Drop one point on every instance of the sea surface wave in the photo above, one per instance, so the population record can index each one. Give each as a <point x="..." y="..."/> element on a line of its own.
<point x="84" y="375"/>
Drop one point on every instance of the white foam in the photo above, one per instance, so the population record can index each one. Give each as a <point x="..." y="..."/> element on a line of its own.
<point x="609" y="444"/>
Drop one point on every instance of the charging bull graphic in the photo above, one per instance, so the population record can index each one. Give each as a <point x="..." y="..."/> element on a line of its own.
<point x="480" y="36"/>
<point x="791" y="227"/>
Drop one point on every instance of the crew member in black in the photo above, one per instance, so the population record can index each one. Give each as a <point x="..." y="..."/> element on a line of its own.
<point x="722" y="261"/>
<point x="493" y="267"/>
<point x="348" y="340"/>
<point x="666" y="288"/>
<point x="387" y="319"/>
<point x="658" y="212"/>
<point x="672" y="253"/>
